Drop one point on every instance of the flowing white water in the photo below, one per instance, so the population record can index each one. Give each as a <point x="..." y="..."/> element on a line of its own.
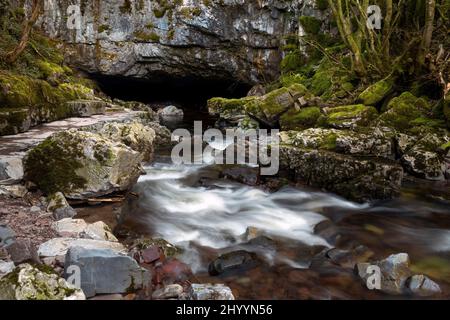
<point x="218" y="215"/>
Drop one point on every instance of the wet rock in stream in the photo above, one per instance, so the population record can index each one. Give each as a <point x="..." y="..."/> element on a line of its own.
<point x="237" y="260"/>
<point x="210" y="292"/>
<point x="396" y="277"/>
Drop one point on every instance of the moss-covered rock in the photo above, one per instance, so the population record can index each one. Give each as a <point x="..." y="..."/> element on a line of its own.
<point x="138" y="137"/>
<point x="37" y="283"/>
<point x="424" y="158"/>
<point x="87" y="108"/>
<point x="26" y="102"/>
<point x="228" y="108"/>
<point x="373" y="142"/>
<point x="300" y="119"/>
<point x="349" y="117"/>
<point x="376" y="92"/>
<point x="82" y="165"/>
<point x="406" y="112"/>
<point x="269" y="108"/>
<point x="359" y="179"/>
<point x="314" y="138"/>
<point x="13" y="121"/>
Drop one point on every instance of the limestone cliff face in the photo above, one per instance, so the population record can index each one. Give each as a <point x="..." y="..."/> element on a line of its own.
<point x="220" y="39"/>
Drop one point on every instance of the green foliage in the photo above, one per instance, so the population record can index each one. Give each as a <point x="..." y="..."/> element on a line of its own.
<point x="322" y="4"/>
<point x="310" y="24"/>
<point x="292" y="62"/>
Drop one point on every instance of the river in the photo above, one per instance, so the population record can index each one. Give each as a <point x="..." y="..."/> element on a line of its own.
<point x="205" y="215"/>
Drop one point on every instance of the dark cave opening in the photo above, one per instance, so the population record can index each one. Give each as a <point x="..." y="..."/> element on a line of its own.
<point x="188" y="92"/>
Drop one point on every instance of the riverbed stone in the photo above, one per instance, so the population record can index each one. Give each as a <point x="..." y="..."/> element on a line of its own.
<point x="210" y="292"/>
<point x="172" y="271"/>
<point x="121" y="274"/>
<point x="22" y="250"/>
<point x="78" y="228"/>
<point x="243" y="174"/>
<point x="58" y="247"/>
<point x="356" y="178"/>
<point x="172" y="291"/>
<point x="424" y="159"/>
<point x="11" y="169"/>
<point x="423" y="286"/>
<point x="232" y="261"/>
<point x="58" y="205"/>
<point x="29" y="283"/>
<point x="170" y="113"/>
<point x="7" y="235"/>
<point x="395" y="272"/>
<point x="82" y="165"/>
<point x="6" y="267"/>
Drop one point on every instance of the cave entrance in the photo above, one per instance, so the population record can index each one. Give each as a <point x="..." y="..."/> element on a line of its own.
<point x="188" y="93"/>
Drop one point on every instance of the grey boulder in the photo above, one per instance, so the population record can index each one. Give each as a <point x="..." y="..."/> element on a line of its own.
<point x="105" y="271"/>
<point x="210" y="292"/>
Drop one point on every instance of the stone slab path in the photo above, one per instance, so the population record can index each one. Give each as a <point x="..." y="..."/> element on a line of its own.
<point x="17" y="145"/>
<point x="13" y="148"/>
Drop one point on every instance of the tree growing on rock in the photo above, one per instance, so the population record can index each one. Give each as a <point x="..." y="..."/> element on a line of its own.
<point x="418" y="29"/>
<point x="36" y="9"/>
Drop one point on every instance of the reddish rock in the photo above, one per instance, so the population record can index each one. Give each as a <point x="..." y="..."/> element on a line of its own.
<point x="172" y="271"/>
<point x="151" y="254"/>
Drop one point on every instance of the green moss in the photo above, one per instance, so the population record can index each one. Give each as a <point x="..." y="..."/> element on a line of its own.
<point x="49" y="69"/>
<point x="310" y="24"/>
<point x="52" y="165"/>
<point x="321" y="82"/>
<point x="14" y="121"/>
<point x="406" y="112"/>
<point x="433" y="123"/>
<point x="349" y="116"/>
<point x="223" y="106"/>
<point x="322" y="4"/>
<point x="147" y="36"/>
<point x="292" y="62"/>
<point x="270" y="105"/>
<point x="445" y="146"/>
<point x="407" y="98"/>
<point x="103" y="28"/>
<point x="287" y="80"/>
<point x="298" y="120"/>
<point x="376" y="92"/>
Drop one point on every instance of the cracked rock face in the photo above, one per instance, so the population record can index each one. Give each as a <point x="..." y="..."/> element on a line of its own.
<point x="219" y="39"/>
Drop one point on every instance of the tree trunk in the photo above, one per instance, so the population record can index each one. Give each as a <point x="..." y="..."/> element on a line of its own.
<point x="28" y="27"/>
<point x="345" y="29"/>
<point x="387" y="29"/>
<point x="428" y="30"/>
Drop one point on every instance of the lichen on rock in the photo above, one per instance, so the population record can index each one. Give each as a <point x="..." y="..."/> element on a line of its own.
<point x="30" y="283"/>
